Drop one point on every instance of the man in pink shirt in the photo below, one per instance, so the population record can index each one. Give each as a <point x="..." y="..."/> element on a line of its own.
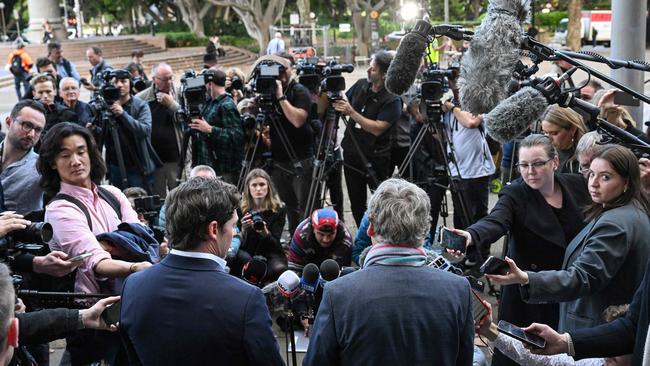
<point x="70" y="164"/>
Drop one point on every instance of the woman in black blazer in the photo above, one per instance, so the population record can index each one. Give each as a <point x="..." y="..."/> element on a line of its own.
<point x="542" y="212"/>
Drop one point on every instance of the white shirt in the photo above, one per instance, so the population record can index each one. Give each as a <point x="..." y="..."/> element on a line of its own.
<point x="182" y="253"/>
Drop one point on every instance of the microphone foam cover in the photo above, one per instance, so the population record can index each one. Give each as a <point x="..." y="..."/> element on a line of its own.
<point x="330" y="270"/>
<point x="513" y="116"/>
<point x="288" y="284"/>
<point x="404" y="67"/>
<point x="310" y="273"/>
<point x="488" y="64"/>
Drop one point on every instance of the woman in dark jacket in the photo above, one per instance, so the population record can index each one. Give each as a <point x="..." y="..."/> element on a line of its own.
<point x="542" y="213"/>
<point x="263" y="216"/>
<point x="605" y="262"/>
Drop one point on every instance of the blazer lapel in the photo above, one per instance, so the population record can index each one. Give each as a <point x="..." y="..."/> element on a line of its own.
<point x="577" y="241"/>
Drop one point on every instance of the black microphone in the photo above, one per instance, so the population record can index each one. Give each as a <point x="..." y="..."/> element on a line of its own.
<point x="254" y="271"/>
<point x="488" y="64"/>
<point x="402" y="70"/>
<point x="329" y="270"/>
<point x="310" y="278"/>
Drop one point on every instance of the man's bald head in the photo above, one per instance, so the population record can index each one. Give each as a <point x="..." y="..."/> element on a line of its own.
<point x="163" y="77"/>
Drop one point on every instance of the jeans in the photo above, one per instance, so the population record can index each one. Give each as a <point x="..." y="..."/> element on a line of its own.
<point x="21" y="80"/>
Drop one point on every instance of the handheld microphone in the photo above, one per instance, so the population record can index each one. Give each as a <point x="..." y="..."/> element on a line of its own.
<point x="406" y="63"/>
<point x="289" y="284"/>
<point x="329" y="270"/>
<point x="488" y="64"/>
<point x="309" y="280"/>
<point x="254" y="272"/>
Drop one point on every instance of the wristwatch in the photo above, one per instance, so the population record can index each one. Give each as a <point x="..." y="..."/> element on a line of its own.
<point x="284" y="97"/>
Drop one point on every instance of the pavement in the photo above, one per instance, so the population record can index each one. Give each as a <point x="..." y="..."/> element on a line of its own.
<point x="8" y="99"/>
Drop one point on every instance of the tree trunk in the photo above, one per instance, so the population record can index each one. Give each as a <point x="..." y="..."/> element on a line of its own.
<point x="193" y="13"/>
<point x="304" y="10"/>
<point x="362" y="30"/>
<point x="574" y="36"/>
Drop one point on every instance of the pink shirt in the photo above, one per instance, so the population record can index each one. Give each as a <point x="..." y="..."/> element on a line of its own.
<point x="72" y="234"/>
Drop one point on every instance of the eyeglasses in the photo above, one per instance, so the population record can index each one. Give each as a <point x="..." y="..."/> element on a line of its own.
<point x="171" y="78"/>
<point x="27" y="127"/>
<point x="536" y="165"/>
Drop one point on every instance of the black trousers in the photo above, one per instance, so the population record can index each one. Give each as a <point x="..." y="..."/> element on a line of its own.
<point x="293" y="189"/>
<point x="475" y="192"/>
<point x="357" y="181"/>
<point x="334" y="183"/>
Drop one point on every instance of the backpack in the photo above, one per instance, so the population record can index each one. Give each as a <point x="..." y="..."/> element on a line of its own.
<point x="102" y="193"/>
<point x="16" y="67"/>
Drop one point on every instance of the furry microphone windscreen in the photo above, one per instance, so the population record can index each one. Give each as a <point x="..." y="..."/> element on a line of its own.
<point x="513" y="116"/>
<point x="487" y="66"/>
<point x="404" y="67"/>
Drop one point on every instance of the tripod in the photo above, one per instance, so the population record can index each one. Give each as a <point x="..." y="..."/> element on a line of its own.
<point x="318" y="187"/>
<point x="111" y="125"/>
<point x="188" y="134"/>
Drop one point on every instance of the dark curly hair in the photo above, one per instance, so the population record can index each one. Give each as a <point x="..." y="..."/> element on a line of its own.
<point x="52" y="141"/>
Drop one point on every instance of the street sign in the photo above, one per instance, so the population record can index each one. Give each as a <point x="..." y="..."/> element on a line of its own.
<point x="345" y="27"/>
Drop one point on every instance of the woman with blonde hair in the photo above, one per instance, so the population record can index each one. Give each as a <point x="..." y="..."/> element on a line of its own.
<point x="565" y="127"/>
<point x="263" y="216"/>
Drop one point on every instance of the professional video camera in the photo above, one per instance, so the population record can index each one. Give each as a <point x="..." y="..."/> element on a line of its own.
<point x="108" y="93"/>
<point x="31" y="239"/>
<point x="149" y="207"/>
<point x="264" y="83"/>
<point x="193" y="94"/>
<point x="313" y="74"/>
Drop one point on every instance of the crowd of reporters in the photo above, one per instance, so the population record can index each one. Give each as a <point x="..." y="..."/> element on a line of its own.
<point x="566" y="266"/>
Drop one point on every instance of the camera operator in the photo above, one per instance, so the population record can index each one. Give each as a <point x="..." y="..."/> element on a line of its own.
<point x="373" y="110"/>
<point x="319" y="237"/>
<point x="473" y="169"/>
<point x="133" y="118"/>
<point x="99" y="65"/>
<point x="294" y="103"/>
<point x="220" y="141"/>
<point x="166" y="134"/>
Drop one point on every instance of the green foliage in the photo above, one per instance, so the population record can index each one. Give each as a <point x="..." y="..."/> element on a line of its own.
<point x="184" y="39"/>
<point x="387" y="25"/>
<point x="550" y="20"/>
<point x="244" y="42"/>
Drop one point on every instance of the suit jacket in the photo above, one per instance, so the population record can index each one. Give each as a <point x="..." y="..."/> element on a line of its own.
<point x="391" y="315"/>
<point x="621" y="337"/>
<point x="188" y="311"/>
<point x="602" y="266"/>
<point x="536" y="241"/>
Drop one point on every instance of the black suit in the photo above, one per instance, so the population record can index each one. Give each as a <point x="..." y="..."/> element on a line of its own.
<point x="622" y="336"/>
<point x="536" y="241"/>
<point x="188" y="311"/>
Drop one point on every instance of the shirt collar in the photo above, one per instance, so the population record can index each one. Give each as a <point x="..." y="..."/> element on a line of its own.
<point x="220" y="261"/>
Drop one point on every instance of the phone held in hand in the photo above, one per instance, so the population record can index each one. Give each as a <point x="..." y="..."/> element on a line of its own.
<point x="479" y="310"/>
<point x="453" y="241"/>
<point x="79" y="257"/>
<point x="111" y="315"/>
<point x="518" y="333"/>
<point x="495" y="266"/>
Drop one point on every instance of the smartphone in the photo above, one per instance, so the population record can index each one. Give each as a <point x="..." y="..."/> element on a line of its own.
<point x="111" y="314"/>
<point x="451" y="240"/>
<point x="479" y="310"/>
<point x="79" y="257"/>
<point x="518" y="333"/>
<point x="495" y="266"/>
<point x="623" y="98"/>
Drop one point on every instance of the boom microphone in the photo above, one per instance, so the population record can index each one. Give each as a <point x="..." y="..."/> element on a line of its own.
<point x="488" y="64"/>
<point x="513" y="116"/>
<point x="402" y="70"/>
<point x="309" y="280"/>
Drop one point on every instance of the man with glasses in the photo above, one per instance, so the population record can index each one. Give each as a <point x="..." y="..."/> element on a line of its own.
<point x="166" y="133"/>
<point x="69" y="90"/>
<point x="19" y="177"/>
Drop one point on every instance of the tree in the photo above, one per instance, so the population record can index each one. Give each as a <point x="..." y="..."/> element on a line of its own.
<point x="362" y="21"/>
<point x="257" y="15"/>
<point x="193" y="12"/>
<point x="574" y="28"/>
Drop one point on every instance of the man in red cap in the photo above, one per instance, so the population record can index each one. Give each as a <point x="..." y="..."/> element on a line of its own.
<point x="319" y="237"/>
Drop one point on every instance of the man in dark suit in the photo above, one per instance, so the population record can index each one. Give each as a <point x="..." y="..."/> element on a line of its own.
<point x="395" y="310"/>
<point x="188" y="310"/>
<point x="621" y="337"/>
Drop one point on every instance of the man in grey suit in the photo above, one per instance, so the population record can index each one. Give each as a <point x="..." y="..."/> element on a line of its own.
<point x="395" y="310"/>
